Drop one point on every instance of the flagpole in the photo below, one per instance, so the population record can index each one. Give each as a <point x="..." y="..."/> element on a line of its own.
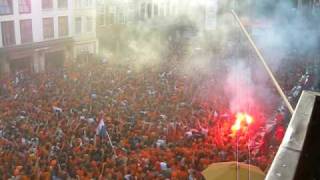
<point x="249" y="152"/>
<point x="273" y="79"/>
<point x="114" y="151"/>
<point x="237" y="154"/>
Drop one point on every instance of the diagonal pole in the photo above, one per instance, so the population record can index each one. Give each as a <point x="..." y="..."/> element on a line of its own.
<point x="111" y="144"/>
<point x="274" y="81"/>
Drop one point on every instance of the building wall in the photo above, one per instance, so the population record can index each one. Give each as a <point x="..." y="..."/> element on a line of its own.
<point x="37" y="14"/>
<point x="130" y="11"/>
<point x="85" y="41"/>
<point x="118" y="16"/>
<point x="157" y="12"/>
<point x="40" y="46"/>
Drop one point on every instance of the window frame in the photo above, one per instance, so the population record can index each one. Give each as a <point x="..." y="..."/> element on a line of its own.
<point x="101" y="20"/>
<point x="75" y="25"/>
<point x="155" y="10"/>
<point x="46" y="8"/>
<point x="21" y="37"/>
<point x="43" y="28"/>
<point x="87" y="24"/>
<point x="149" y="10"/>
<point x="67" y="26"/>
<point x="64" y="7"/>
<point x="11" y="30"/>
<point x="10" y="7"/>
<point x="87" y="3"/>
<point x="78" y="4"/>
<point x="25" y="12"/>
<point x="143" y="10"/>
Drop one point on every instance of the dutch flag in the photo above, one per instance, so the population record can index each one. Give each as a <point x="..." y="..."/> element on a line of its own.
<point x="101" y="129"/>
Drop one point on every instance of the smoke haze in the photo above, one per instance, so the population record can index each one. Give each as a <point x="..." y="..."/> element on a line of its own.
<point x="221" y="63"/>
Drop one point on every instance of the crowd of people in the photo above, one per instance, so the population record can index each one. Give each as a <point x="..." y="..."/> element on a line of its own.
<point x="154" y="128"/>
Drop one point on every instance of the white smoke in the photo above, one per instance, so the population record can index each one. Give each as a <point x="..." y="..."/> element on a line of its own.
<point x="240" y="88"/>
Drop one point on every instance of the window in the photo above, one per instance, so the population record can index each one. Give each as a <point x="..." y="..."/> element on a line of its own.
<point x="168" y="9"/>
<point x="8" y="37"/>
<point x="100" y="9"/>
<point x="88" y="3"/>
<point x="89" y="24"/>
<point x="161" y="10"/>
<point x="155" y="9"/>
<point x="63" y="26"/>
<point x="78" y="28"/>
<point x="24" y="6"/>
<point x="149" y="10"/>
<point x="112" y="19"/>
<point x="77" y="3"/>
<point x="101" y="20"/>
<point x="62" y="3"/>
<point x="121" y="19"/>
<point x="26" y="31"/>
<point x="48" y="31"/>
<point x="47" y="4"/>
<point x="143" y="10"/>
<point x="6" y="7"/>
<point x="174" y="10"/>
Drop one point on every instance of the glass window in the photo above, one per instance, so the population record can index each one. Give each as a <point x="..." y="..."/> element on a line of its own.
<point x="101" y="20"/>
<point x="119" y="17"/>
<point x="161" y="10"/>
<point x="100" y="9"/>
<point x="149" y="10"/>
<point x="78" y="28"/>
<point x="112" y="15"/>
<point x="89" y="24"/>
<point x="62" y="3"/>
<point x="6" y="7"/>
<point x="143" y="10"/>
<point x="26" y="31"/>
<point x="63" y="26"/>
<point x="24" y="6"/>
<point x="87" y="3"/>
<point x="155" y="10"/>
<point x="77" y="3"/>
<point x="47" y="4"/>
<point x="8" y="37"/>
<point x="168" y="9"/>
<point x="48" y="30"/>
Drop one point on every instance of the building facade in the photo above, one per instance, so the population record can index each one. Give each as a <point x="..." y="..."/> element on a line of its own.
<point x="114" y="12"/>
<point x="84" y="28"/>
<point x="155" y="12"/>
<point x="43" y="34"/>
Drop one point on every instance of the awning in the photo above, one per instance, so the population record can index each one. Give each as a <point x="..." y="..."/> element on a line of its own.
<point x="24" y="50"/>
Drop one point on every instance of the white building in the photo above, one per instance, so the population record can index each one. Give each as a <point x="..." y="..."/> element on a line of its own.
<point x="110" y="12"/>
<point x="84" y="27"/>
<point x="157" y="12"/>
<point x="40" y="34"/>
